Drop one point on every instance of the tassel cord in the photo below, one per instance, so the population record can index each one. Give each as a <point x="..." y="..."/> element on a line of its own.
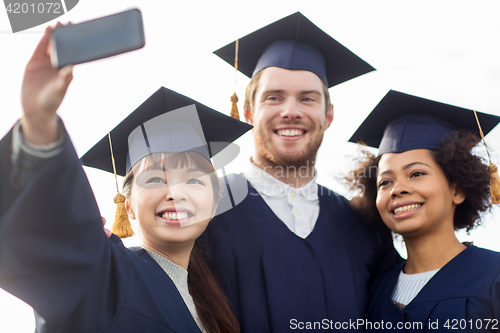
<point x="234" y="99"/>
<point x="494" y="178"/>
<point x="121" y="226"/>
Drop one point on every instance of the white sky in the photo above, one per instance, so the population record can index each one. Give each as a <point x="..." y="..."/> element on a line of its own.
<point x="445" y="50"/>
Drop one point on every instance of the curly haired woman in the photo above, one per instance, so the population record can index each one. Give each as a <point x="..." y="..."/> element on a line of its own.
<point x="424" y="185"/>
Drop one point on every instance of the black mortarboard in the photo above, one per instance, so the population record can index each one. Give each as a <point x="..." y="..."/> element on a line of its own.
<point x="402" y="122"/>
<point x="166" y="122"/>
<point x="294" y="42"/>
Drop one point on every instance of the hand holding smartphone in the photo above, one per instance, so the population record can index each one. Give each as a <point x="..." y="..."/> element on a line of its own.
<point x="96" y="39"/>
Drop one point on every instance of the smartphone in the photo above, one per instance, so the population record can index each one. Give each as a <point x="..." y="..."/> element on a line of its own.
<point x="96" y="39"/>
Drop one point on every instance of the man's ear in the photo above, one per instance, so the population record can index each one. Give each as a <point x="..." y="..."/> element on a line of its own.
<point x="247" y="111"/>
<point x="458" y="195"/>
<point x="329" y="117"/>
<point x="130" y="212"/>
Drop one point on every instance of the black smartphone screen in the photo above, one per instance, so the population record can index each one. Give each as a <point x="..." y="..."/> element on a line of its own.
<point x="96" y="39"/>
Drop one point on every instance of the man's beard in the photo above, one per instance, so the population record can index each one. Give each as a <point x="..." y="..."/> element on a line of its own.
<point x="305" y="157"/>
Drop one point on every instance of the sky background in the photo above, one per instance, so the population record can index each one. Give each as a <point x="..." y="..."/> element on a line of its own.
<point x="445" y="50"/>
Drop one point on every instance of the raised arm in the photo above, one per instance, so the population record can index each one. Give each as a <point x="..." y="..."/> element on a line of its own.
<point x="53" y="253"/>
<point x="42" y="92"/>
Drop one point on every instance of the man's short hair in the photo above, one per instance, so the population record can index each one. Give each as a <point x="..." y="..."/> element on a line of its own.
<point x="252" y="87"/>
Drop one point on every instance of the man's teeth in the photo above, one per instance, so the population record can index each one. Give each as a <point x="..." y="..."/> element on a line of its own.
<point x="175" y="216"/>
<point x="407" y="208"/>
<point x="290" y="132"/>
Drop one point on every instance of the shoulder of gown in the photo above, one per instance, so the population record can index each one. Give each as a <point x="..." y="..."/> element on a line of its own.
<point x="466" y="289"/>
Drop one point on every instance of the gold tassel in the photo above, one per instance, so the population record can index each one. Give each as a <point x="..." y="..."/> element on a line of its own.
<point x="494" y="179"/>
<point x="121" y="226"/>
<point x="234" y="99"/>
<point x="234" y="107"/>
<point x="494" y="184"/>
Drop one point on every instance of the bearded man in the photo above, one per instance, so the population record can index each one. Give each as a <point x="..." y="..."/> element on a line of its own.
<point x="292" y="255"/>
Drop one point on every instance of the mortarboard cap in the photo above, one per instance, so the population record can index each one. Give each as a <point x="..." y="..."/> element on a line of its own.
<point x="167" y="122"/>
<point x="294" y="42"/>
<point x="402" y="122"/>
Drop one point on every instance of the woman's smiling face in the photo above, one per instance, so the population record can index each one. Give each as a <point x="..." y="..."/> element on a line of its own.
<point x="172" y="202"/>
<point x="414" y="196"/>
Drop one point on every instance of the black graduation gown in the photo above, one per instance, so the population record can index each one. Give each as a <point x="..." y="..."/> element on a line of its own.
<point x="279" y="282"/>
<point x="7" y="192"/>
<point x="55" y="256"/>
<point x="463" y="296"/>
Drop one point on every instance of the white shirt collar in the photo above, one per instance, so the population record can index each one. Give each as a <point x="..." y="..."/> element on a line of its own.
<point x="269" y="186"/>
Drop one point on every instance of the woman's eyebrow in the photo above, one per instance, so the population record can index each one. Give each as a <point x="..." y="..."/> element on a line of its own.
<point x="411" y="164"/>
<point x="154" y="166"/>
<point x="196" y="170"/>
<point x="404" y="168"/>
<point x="158" y="167"/>
<point x="386" y="172"/>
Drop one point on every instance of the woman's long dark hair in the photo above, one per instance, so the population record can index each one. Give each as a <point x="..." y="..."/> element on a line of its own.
<point x="212" y="306"/>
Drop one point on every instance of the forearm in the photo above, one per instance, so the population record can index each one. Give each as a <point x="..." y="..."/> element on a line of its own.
<point x="40" y="130"/>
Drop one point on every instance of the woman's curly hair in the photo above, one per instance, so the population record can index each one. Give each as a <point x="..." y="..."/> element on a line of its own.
<point x="460" y="166"/>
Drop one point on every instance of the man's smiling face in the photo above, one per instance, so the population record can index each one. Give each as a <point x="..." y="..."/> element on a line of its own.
<point x="288" y="116"/>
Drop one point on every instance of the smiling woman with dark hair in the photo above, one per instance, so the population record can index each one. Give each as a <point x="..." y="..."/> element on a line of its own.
<point x="426" y="185"/>
<point x="53" y="252"/>
<point x="459" y="166"/>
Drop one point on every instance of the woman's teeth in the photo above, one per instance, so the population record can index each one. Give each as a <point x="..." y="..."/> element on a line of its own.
<point x="290" y="132"/>
<point x="175" y="216"/>
<point x="407" y="208"/>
